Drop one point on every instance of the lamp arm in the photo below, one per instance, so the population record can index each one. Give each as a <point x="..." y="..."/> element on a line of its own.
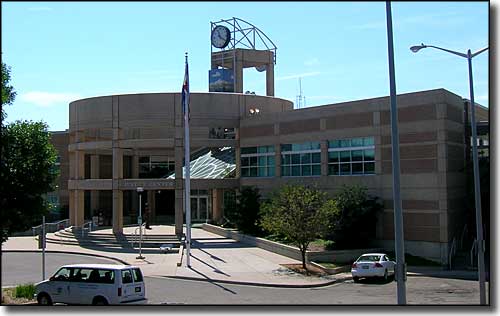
<point x="479" y="52"/>
<point x="449" y="51"/>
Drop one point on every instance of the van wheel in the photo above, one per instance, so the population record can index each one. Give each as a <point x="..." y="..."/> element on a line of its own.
<point x="100" y="301"/>
<point x="355" y="279"/>
<point x="44" y="299"/>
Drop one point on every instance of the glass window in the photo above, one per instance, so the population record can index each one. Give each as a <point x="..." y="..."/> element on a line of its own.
<point x="316" y="157"/>
<point x="345" y="168"/>
<point x="62" y="275"/>
<point x="137" y="275"/>
<point x="356" y="142"/>
<point x="369" y="154"/>
<point x="303" y="159"/>
<point x="126" y="276"/>
<point x="357" y="168"/>
<point x="345" y="156"/>
<point x="357" y="155"/>
<point x="333" y="156"/>
<point x="334" y="144"/>
<point x="354" y="156"/>
<point x="345" y="143"/>
<point x="316" y="170"/>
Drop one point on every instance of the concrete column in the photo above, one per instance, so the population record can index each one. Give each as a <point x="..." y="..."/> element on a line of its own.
<point x="117" y="194"/>
<point x="270" y="79"/>
<point x="135" y="166"/>
<point x="324" y="158"/>
<point x="238" y="73"/>
<point x="117" y="212"/>
<point x="78" y="207"/>
<point x="277" y="160"/>
<point x="94" y="174"/>
<point x="76" y="211"/>
<point x="152" y="204"/>
<point x="217" y="202"/>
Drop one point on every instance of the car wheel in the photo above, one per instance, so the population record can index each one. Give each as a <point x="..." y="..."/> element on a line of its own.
<point x="355" y="279"/>
<point x="100" y="301"/>
<point x="44" y="299"/>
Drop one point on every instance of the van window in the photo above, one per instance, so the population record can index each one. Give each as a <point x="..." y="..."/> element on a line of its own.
<point x="80" y="275"/>
<point x="126" y="276"/>
<point x="137" y="275"/>
<point x="62" y="275"/>
<point x="107" y="276"/>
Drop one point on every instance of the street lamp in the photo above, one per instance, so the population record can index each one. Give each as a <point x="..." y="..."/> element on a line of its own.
<point x="477" y="188"/>
<point x="139" y="221"/>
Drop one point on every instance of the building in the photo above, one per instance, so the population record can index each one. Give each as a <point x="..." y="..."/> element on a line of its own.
<point x="120" y="142"/>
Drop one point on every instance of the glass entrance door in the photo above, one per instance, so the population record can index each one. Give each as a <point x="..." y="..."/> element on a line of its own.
<point x="199" y="208"/>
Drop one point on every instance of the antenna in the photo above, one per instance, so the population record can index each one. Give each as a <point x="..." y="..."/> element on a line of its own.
<point x="300" y="100"/>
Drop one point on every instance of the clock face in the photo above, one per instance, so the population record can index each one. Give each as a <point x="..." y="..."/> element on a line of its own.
<point x="220" y="36"/>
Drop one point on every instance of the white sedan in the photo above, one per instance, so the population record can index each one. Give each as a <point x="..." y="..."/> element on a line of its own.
<point x="372" y="265"/>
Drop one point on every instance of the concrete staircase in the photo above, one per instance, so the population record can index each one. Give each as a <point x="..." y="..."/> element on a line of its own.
<point x="97" y="239"/>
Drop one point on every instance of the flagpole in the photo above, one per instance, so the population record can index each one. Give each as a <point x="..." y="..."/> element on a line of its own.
<point x="187" y="184"/>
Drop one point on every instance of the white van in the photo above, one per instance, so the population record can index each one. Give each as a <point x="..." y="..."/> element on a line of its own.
<point x="93" y="284"/>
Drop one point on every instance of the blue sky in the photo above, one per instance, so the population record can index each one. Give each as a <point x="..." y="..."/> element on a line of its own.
<point x="60" y="52"/>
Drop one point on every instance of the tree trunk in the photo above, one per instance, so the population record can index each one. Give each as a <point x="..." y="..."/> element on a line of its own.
<point x="303" y="252"/>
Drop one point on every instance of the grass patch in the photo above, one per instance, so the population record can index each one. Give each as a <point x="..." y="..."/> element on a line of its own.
<point x="330" y="265"/>
<point x="9" y="297"/>
<point x="411" y="260"/>
<point x="24" y="291"/>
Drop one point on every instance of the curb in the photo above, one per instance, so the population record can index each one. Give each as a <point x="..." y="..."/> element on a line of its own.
<point x="298" y="286"/>
<point x="71" y="253"/>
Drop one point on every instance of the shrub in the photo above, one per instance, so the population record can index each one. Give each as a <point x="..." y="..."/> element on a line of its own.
<point x="355" y="224"/>
<point x="26" y="291"/>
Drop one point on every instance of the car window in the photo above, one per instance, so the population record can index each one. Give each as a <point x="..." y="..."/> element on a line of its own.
<point x="62" y="275"/>
<point x="370" y="258"/>
<point x="137" y="275"/>
<point x="126" y="276"/>
<point x="80" y="275"/>
<point x="107" y="276"/>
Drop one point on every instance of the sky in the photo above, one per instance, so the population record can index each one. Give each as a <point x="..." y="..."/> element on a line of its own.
<point x="64" y="51"/>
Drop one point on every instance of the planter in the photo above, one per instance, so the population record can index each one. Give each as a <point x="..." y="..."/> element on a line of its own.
<point x="334" y="256"/>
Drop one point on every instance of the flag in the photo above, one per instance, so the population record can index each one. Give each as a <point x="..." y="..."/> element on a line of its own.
<point x="185" y="93"/>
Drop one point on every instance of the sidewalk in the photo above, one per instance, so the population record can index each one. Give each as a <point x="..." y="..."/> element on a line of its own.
<point x="217" y="258"/>
<point x="213" y="258"/>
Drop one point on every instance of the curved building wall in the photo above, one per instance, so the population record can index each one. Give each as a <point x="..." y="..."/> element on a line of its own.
<point x="109" y="134"/>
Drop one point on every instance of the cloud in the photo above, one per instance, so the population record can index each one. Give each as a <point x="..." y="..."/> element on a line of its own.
<point x="312" y="62"/>
<point x="302" y="75"/>
<point x="38" y="9"/>
<point x="47" y="99"/>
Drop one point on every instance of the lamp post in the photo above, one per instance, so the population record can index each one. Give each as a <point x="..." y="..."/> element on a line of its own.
<point x="139" y="221"/>
<point x="400" y="271"/>
<point x="477" y="187"/>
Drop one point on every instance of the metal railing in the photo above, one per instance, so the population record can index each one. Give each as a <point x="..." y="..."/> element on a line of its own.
<point x="89" y="224"/>
<point x="473" y="252"/>
<point x="453" y="249"/>
<point x="462" y="237"/>
<point x="136" y="235"/>
<point x="51" y="227"/>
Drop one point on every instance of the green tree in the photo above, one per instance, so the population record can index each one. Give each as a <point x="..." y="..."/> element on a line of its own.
<point x="27" y="173"/>
<point x="8" y="93"/>
<point x="355" y="225"/>
<point x="248" y="206"/>
<point x="300" y="214"/>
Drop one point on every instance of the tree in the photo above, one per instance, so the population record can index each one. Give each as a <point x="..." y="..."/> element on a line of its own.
<point x="8" y="93"/>
<point x="27" y="173"/>
<point x="300" y="214"/>
<point x="356" y="223"/>
<point x="248" y="206"/>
